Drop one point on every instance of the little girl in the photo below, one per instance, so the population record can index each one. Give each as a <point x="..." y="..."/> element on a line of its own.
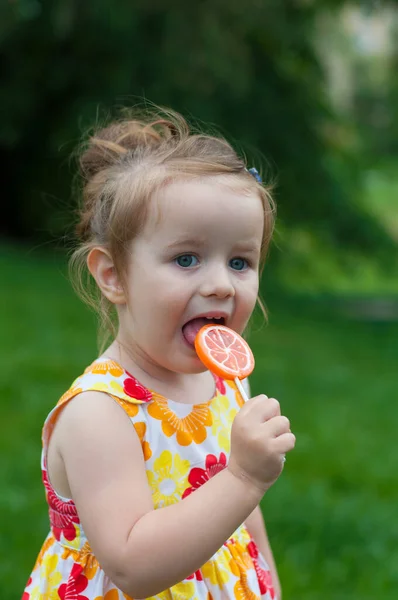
<point x="153" y="467"/>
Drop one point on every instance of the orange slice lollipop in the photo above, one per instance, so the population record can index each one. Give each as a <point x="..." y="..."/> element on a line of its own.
<point x="225" y="353"/>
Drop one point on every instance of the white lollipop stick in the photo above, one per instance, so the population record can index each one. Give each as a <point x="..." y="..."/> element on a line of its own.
<point x="241" y="389"/>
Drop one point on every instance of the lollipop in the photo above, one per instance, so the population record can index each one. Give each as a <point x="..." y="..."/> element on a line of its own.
<point x="225" y="353"/>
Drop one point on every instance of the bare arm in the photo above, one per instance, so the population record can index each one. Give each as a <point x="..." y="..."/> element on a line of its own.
<point x="143" y="550"/>
<point x="255" y="525"/>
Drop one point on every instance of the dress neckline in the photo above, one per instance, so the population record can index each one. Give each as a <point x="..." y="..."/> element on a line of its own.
<point x="155" y="395"/>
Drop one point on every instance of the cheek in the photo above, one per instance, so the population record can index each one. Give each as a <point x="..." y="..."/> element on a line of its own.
<point x="249" y="292"/>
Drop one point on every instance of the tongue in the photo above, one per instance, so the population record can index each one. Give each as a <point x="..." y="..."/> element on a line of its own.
<point x="190" y="330"/>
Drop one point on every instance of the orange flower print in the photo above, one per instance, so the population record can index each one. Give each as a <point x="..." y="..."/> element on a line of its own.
<point x="188" y="429"/>
<point x="141" y="430"/>
<point x="112" y="595"/>
<point x="240" y="561"/>
<point x="52" y="419"/>
<point x="84" y="557"/>
<point x="107" y="366"/>
<point x="242" y="590"/>
<point x="239" y="400"/>
<point x="73" y="391"/>
<point x="47" y="544"/>
<point x="130" y="408"/>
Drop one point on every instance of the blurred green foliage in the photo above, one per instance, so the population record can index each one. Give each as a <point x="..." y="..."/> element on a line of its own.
<point x="248" y="67"/>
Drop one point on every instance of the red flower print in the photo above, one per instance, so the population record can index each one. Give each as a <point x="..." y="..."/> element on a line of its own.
<point x="197" y="575"/>
<point x="25" y="595"/>
<point x="264" y="577"/>
<point x="198" y="477"/>
<point x="135" y="390"/>
<point x="62" y="514"/>
<point x="77" y="583"/>
<point x="220" y="385"/>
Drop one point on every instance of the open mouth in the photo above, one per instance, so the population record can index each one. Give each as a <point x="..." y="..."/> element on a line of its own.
<point x="190" y="329"/>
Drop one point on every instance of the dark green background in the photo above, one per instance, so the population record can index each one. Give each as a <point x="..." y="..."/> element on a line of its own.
<point x="253" y="70"/>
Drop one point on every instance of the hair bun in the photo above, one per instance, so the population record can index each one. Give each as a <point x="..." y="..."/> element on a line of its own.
<point x="109" y="145"/>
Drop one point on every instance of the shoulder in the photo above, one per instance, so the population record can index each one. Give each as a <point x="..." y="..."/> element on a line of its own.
<point x="100" y="392"/>
<point x="91" y="415"/>
<point x="105" y="375"/>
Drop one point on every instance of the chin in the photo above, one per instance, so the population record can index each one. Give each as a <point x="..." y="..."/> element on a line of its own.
<point x="191" y="367"/>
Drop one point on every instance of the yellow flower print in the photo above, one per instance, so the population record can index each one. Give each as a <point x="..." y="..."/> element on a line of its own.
<point x="223" y="416"/>
<point x="217" y="571"/>
<point x="188" y="429"/>
<point x="180" y="591"/>
<point x="168" y="479"/>
<point x="101" y="386"/>
<point x="116" y="387"/>
<point x="52" y="578"/>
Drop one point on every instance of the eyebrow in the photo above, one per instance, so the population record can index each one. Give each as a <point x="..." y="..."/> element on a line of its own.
<point x="198" y="242"/>
<point x="186" y="242"/>
<point x="247" y="247"/>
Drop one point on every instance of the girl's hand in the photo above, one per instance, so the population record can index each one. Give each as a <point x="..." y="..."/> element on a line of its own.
<point x="260" y="438"/>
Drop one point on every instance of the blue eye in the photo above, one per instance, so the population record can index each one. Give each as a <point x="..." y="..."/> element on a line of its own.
<point x="187" y="260"/>
<point x="238" y="264"/>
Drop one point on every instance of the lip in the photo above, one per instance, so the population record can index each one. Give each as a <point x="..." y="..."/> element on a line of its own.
<point x="216" y="314"/>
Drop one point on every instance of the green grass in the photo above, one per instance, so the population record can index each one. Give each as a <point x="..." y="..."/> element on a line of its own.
<point x="332" y="517"/>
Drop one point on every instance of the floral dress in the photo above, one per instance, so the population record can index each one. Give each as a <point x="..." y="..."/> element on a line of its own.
<point x="184" y="445"/>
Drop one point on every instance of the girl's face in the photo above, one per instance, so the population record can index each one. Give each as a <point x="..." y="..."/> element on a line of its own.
<point x="196" y="257"/>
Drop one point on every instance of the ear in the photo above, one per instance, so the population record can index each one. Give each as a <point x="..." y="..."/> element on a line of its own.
<point x="102" y="268"/>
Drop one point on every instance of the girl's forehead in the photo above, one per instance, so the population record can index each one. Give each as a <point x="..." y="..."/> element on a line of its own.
<point x="203" y="202"/>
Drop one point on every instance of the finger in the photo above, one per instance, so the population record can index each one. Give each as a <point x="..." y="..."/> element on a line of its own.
<point x="276" y="426"/>
<point x="263" y="408"/>
<point x="284" y="443"/>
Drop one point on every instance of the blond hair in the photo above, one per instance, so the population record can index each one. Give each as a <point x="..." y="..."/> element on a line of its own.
<point x="121" y="166"/>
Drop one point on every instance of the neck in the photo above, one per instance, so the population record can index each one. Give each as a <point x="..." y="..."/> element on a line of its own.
<point x="180" y="387"/>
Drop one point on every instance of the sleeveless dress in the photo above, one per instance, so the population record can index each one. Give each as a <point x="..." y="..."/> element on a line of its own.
<point x="184" y="445"/>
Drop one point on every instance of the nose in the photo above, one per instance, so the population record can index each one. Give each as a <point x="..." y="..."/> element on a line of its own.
<point x="217" y="282"/>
